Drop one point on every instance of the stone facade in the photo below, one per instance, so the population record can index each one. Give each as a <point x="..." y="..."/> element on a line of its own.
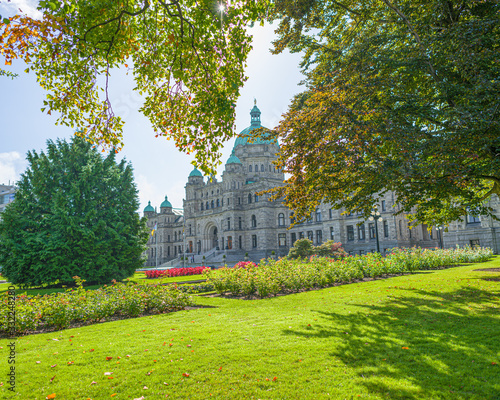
<point x="229" y="219"/>
<point x="7" y="194"/>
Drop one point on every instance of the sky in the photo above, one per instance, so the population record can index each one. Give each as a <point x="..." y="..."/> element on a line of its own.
<point x="159" y="168"/>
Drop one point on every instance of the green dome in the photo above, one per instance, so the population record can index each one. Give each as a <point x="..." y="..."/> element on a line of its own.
<point x="195" y="172"/>
<point x="233" y="159"/>
<point x="148" y="208"/>
<point x="166" y="203"/>
<point x="243" y="138"/>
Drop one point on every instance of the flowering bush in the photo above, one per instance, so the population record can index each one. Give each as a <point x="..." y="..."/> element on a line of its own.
<point x="168" y="273"/>
<point x="285" y="275"/>
<point x="59" y="310"/>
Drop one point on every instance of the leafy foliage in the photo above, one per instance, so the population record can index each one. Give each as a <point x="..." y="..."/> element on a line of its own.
<point x="400" y="97"/>
<point x="303" y="248"/>
<point x="187" y="58"/>
<point x="271" y="277"/>
<point x="74" y="214"/>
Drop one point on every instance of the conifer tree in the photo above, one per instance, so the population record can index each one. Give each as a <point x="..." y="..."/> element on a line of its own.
<point x="74" y="214"/>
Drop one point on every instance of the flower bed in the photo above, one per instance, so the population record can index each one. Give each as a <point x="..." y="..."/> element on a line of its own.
<point x="168" y="273"/>
<point x="271" y="277"/>
<point x="78" y="305"/>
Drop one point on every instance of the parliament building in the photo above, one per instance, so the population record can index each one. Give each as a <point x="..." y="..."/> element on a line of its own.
<point x="227" y="220"/>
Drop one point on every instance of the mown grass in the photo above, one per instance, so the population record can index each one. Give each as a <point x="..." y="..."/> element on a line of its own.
<point x="431" y="335"/>
<point x="138" y="277"/>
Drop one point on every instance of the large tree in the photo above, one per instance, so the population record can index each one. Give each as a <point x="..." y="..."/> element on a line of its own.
<point x="187" y="58"/>
<point x="75" y="213"/>
<point x="401" y="96"/>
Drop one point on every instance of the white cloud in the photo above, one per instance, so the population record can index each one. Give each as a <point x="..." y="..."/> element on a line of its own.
<point x="20" y="6"/>
<point x="12" y="164"/>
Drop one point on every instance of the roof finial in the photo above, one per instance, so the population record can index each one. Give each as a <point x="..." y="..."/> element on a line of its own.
<point x="254" y="101"/>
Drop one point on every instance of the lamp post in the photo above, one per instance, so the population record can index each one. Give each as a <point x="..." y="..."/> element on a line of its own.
<point x="375" y="216"/>
<point x="439" y="230"/>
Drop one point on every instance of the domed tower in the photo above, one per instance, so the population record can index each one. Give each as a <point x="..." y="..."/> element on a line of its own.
<point x="166" y="207"/>
<point x="149" y="211"/>
<point x="257" y="154"/>
<point x="195" y="177"/>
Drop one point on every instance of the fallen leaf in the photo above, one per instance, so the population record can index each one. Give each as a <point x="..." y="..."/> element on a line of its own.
<point x="109" y="358"/>
<point x="52" y="366"/>
<point x="51" y="379"/>
<point x="114" y="394"/>
<point x="108" y="373"/>
<point x="38" y="362"/>
<point x="91" y="350"/>
<point x="275" y="379"/>
<point x="405" y="348"/>
<point x="51" y="396"/>
<point x="70" y="362"/>
<point x="185" y="374"/>
<point x="94" y="383"/>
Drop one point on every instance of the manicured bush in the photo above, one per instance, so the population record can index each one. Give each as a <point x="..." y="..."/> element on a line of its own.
<point x="168" y="273"/>
<point x="286" y="275"/>
<point x="60" y="310"/>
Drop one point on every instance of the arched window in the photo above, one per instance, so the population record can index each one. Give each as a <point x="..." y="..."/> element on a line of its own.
<point x="269" y="167"/>
<point x="212" y="204"/>
<point x="318" y="215"/>
<point x="256" y="198"/>
<point x="249" y="168"/>
<point x="218" y="203"/>
<point x="175" y="236"/>
<point x="256" y="168"/>
<point x="201" y="206"/>
<point x="207" y="205"/>
<point x="249" y="198"/>
<point x="281" y="219"/>
<point x="261" y="167"/>
<point x="254" y="221"/>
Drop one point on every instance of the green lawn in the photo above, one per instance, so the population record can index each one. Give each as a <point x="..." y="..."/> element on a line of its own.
<point x="138" y="277"/>
<point x="431" y="335"/>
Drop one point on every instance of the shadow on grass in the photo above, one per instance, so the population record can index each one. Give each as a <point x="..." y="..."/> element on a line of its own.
<point x="423" y="344"/>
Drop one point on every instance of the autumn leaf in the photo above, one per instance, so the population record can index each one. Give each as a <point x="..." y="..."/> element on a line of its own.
<point x="109" y="358"/>
<point x="185" y="374"/>
<point x="405" y="348"/>
<point x="51" y="396"/>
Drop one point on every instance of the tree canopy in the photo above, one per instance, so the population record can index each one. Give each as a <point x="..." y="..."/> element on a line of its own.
<point x="187" y="58"/>
<point x="74" y="214"/>
<point x="401" y="96"/>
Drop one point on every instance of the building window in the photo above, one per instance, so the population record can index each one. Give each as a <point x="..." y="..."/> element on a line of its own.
<point x="222" y="202"/>
<point x="361" y="232"/>
<point x="383" y="205"/>
<point x="401" y="229"/>
<point x="240" y="242"/>
<point x="168" y="238"/>
<point x="256" y="168"/>
<point x="218" y="203"/>
<point x="310" y="235"/>
<point x="409" y="230"/>
<point x="261" y="167"/>
<point x="201" y="206"/>
<point x="229" y="242"/>
<point x="318" y="215"/>
<point x="254" y="241"/>
<point x="207" y="206"/>
<point x="282" y="239"/>
<point x="474" y="242"/>
<point x="332" y="236"/>
<point x="471" y="219"/>
<point x="301" y="235"/>
<point x="228" y="223"/>
<point x="371" y="231"/>
<point x="239" y="223"/>
<point x="330" y="213"/>
<point x="212" y="204"/>
<point x="350" y="232"/>
<point x="319" y="237"/>
<point x="249" y="198"/>
<point x="386" y="229"/>
<point x="239" y="200"/>
<point x="254" y="221"/>
<point x="249" y="168"/>
<point x="190" y="230"/>
<point x="175" y="236"/>
<point x="293" y="238"/>
<point x="168" y="251"/>
<point x="256" y="198"/>
<point x="281" y="219"/>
